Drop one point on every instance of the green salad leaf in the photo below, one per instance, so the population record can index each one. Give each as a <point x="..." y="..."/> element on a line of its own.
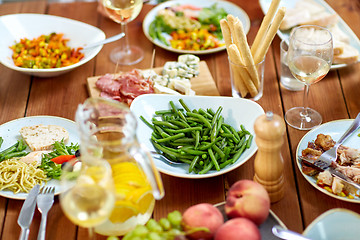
<point x="53" y="170"/>
<point x="212" y="16"/>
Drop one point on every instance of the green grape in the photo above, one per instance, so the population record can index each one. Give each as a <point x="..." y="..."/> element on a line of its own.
<point x="112" y="238"/>
<point x="175" y="218"/>
<point x="153" y="226"/>
<point x="155" y="236"/>
<point x="140" y="230"/>
<point x="165" y="223"/>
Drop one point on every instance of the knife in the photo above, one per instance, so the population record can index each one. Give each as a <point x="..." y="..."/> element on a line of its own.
<point x="333" y="171"/>
<point x="27" y="212"/>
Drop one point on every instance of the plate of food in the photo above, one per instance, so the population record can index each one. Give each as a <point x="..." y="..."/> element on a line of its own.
<point x="44" y="45"/>
<point x="214" y="140"/>
<point x="320" y="139"/>
<point x="191" y="26"/>
<point x="32" y="139"/>
<point x="318" y="12"/>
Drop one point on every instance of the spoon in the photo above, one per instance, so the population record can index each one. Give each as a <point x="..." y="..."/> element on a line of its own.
<point x="162" y="157"/>
<point x="108" y="40"/>
<point x="286" y="234"/>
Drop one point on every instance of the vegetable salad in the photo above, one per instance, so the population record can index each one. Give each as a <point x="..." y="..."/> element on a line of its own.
<point x="189" y="27"/>
<point x="46" y="51"/>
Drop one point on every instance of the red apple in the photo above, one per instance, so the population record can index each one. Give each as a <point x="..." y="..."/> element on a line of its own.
<point x="248" y="199"/>
<point x="201" y="221"/>
<point x="238" y="229"/>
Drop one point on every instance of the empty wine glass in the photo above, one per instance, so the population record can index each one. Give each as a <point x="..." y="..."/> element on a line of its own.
<point x="309" y="58"/>
<point x="87" y="197"/>
<point x="122" y="12"/>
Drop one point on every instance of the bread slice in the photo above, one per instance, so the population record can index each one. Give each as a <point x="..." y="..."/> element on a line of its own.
<point x="348" y="56"/>
<point x="42" y="137"/>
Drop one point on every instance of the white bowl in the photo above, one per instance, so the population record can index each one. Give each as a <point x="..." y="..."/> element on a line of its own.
<point x="235" y="111"/>
<point x="13" y="27"/>
<point x="334" y="224"/>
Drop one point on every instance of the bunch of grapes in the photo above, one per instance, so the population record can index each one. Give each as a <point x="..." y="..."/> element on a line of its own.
<point x="165" y="229"/>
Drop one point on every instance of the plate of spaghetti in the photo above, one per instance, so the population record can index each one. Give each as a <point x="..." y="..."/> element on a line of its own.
<point x="18" y="174"/>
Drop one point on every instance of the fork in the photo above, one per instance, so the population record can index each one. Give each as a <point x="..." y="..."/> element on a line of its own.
<point x="324" y="161"/>
<point x="44" y="201"/>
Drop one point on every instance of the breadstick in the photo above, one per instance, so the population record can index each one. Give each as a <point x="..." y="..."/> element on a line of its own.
<point x="265" y="44"/>
<point x="225" y="29"/>
<point x="232" y="22"/>
<point x="245" y="77"/>
<point x="264" y="25"/>
<point x="246" y="53"/>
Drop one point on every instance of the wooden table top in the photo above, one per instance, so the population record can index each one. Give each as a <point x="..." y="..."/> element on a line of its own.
<point x="335" y="97"/>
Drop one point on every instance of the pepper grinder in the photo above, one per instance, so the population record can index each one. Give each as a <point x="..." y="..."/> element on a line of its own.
<point x="269" y="166"/>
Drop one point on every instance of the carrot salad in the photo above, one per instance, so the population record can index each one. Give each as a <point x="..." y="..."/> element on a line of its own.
<point x="46" y="51"/>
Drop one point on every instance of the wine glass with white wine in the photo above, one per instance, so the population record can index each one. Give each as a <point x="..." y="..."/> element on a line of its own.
<point x="87" y="197"/>
<point x="122" y="12"/>
<point x="309" y="58"/>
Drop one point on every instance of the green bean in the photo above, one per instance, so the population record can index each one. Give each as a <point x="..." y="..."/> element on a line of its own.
<point x="174" y="109"/>
<point x="161" y="131"/>
<point x="193" y="163"/>
<point x="210" y="111"/>
<point x="218" y="151"/>
<point x="182" y="116"/>
<point x="185" y="130"/>
<point x="192" y="151"/>
<point x="167" y="139"/>
<point x="244" y="130"/>
<point x="1" y="141"/>
<point x="197" y="139"/>
<point x="184" y="140"/>
<point x="206" y="168"/>
<point x="238" y="154"/>
<point x="248" y="142"/>
<point x="163" y="112"/>
<point x="217" y="114"/>
<point x="179" y="123"/>
<point x="201" y="118"/>
<point x="165" y="124"/>
<point x="213" y="159"/>
<point x="15" y="154"/>
<point x="9" y="149"/>
<point x="146" y="122"/>
<point x="184" y="105"/>
<point x="205" y="114"/>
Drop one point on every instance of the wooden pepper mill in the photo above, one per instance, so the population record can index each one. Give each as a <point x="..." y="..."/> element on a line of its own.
<point x="269" y="166"/>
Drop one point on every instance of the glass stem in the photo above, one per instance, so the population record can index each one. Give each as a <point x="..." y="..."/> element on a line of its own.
<point x="304" y="113"/>
<point x="125" y="42"/>
<point x="92" y="235"/>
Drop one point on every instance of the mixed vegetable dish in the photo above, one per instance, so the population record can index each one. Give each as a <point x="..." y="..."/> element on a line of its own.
<point x="188" y="27"/>
<point x="44" y="52"/>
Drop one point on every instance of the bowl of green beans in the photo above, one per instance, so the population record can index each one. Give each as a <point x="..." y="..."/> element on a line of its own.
<point x="209" y="135"/>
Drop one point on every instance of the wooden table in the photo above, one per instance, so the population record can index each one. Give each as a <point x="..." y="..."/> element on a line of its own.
<point x="335" y="97"/>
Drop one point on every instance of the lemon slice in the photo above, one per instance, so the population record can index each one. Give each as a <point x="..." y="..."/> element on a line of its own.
<point x="123" y="211"/>
<point x="145" y="201"/>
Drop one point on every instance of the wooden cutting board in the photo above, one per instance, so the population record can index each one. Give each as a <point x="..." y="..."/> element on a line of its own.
<point x="203" y="84"/>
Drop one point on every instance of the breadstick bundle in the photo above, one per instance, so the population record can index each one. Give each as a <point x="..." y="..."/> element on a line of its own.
<point x="246" y="63"/>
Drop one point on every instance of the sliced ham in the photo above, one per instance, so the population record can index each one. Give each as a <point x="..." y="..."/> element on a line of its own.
<point x="126" y="87"/>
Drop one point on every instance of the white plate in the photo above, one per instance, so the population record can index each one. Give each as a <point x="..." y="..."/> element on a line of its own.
<point x="10" y="133"/>
<point x="13" y="27"/>
<point x="229" y="7"/>
<point x="334" y="224"/>
<point x="354" y="40"/>
<point x="236" y="111"/>
<point x="335" y="129"/>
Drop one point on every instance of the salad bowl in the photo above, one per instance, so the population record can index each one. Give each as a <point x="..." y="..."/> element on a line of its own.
<point x="229" y="7"/>
<point x="14" y="27"/>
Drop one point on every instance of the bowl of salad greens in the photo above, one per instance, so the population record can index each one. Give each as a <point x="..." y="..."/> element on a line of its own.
<point x="191" y="26"/>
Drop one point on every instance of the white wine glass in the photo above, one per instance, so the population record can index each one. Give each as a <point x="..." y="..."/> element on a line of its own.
<point x="309" y="58"/>
<point x="122" y="12"/>
<point x="87" y="193"/>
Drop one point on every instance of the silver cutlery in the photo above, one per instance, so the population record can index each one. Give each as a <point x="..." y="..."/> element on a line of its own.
<point x="44" y="201"/>
<point x="27" y="213"/>
<point x="165" y="159"/>
<point x="286" y="234"/>
<point x="108" y="40"/>
<point x="325" y="160"/>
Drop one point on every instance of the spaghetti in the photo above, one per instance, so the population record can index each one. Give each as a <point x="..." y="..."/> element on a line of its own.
<point x="18" y="176"/>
